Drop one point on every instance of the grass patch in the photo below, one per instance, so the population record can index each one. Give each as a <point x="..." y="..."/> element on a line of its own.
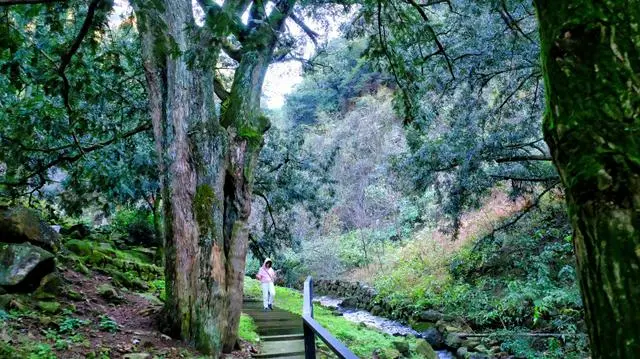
<point x="247" y="330"/>
<point x="361" y="340"/>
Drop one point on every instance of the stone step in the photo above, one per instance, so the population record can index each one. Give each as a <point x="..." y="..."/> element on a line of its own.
<point x="280" y="324"/>
<point x="280" y="331"/>
<point x="268" y="338"/>
<point x="282" y="346"/>
<point x="276" y="319"/>
<point x="281" y="356"/>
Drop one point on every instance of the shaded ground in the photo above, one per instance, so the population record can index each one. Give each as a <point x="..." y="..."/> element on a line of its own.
<point x="89" y="327"/>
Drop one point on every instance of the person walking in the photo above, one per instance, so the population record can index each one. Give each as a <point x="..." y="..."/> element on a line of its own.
<point x="267" y="276"/>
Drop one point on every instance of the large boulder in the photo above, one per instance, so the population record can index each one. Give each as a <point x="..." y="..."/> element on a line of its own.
<point x="77" y="231"/>
<point x="350" y="302"/>
<point x="434" y="338"/>
<point x="22" y="266"/>
<point x="20" y="224"/>
<point x="402" y="346"/>
<point x="431" y="316"/>
<point x="109" y="293"/>
<point x="425" y="350"/>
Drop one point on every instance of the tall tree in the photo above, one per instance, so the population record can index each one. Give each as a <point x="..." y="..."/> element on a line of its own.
<point x="470" y="91"/>
<point x="591" y="61"/>
<point x="207" y="158"/>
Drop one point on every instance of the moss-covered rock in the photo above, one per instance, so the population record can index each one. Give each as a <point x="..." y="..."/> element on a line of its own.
<point x="49" y="307"/>
<point x="128" y="281"/>
<point x="20" y="224"/>
<point x="73" y="295"/>
<point x="51" y="283"/>
<point x="402" y="346"/>
<point x="151" y="298"/>
<point x="81" y="268"/>
<point x="109" y="293"/>
<point x="79" y="230"/>
<point x="23" y="265"/>
<point x="389" y="353"/>
<point x="425" y="350"/>
<point x="5" y="299"/>
<point x="80" y="247"/>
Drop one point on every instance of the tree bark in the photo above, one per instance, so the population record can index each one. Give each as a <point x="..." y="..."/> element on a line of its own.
<point x="206" y="164"/>
<point x="591" y="60"/>
<point x="191" y="147"/>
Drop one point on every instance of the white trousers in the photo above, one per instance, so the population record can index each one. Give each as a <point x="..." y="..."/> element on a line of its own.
<point x="268" y="293"/>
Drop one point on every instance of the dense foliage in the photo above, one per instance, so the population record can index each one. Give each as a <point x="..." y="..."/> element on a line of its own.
<point x="75" y="128"/>
<point x="410" y="157"/>
<point x="470" y="92"/>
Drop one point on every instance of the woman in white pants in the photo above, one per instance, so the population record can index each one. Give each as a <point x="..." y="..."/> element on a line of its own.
<point x="267" y="276"/>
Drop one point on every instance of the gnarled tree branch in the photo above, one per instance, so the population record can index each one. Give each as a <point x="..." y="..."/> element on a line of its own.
<point x="307" y="30"/>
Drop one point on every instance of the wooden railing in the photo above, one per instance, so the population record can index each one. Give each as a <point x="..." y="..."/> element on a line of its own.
<point x="313" y="328"/>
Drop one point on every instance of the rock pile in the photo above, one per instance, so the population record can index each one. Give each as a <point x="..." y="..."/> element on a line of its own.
<point x="27" y="250"/>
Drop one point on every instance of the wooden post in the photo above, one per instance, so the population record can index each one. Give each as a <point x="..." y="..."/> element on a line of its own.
<point x="307" y="312"/>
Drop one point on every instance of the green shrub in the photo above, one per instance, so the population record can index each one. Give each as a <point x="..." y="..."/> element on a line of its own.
<point x="247" y="329"/>
<point x="138" y="227"/>
<point x="107" y="324"/>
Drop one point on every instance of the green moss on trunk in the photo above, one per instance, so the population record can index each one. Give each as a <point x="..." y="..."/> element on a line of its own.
<point x="590" y="56"/>
<point x="203" y="203"/>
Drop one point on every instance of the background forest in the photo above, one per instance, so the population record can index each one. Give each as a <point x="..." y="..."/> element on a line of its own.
<point x="420" y="173"/>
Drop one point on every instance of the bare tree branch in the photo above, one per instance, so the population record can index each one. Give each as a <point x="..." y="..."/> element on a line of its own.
<point x="307" y="30"/>
<point x="70" y="158"/>
<point x="526" y="210"/>
<point x="432" y="32"/>
<point x="269" y="209"/>
<point x="511" y="22"/>
<point x="523" y="158"/>
<point x="65" y="60"/>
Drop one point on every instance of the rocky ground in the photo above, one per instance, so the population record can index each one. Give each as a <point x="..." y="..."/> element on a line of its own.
<point x="79" y="298"/>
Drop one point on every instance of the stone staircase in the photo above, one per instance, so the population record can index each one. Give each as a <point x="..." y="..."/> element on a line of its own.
<point x="280" y="331"/>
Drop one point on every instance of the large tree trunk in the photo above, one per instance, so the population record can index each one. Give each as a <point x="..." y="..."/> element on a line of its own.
<point x="206" y="165"/>
<point x="591" y="60"/>
<point x="246" y="127"/>
<point x="192" y="148"/>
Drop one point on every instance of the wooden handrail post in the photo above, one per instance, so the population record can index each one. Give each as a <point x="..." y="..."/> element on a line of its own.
<point x="307" y="311"/>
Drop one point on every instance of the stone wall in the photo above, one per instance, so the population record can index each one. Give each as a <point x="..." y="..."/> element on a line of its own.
<point x="361" y="296"/>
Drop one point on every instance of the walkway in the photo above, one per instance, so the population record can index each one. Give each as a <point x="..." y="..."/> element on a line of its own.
<point x="280" y="331"/>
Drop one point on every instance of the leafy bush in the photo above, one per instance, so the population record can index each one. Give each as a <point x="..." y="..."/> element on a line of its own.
<point x="522" y="279"/>
<point x="138" y="227"/>
<point x="157" y="287"/>
<point x="69" y="324"/>
<point x="247" y="329"/>
<point x="108" y="324"/>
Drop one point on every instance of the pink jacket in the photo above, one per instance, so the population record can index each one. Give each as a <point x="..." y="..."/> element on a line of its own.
<point x="266" y="275"/>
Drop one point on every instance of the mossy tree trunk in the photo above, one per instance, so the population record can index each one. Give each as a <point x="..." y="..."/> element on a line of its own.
<point x="207" y="158"/>
<point x="591" y="60"/>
